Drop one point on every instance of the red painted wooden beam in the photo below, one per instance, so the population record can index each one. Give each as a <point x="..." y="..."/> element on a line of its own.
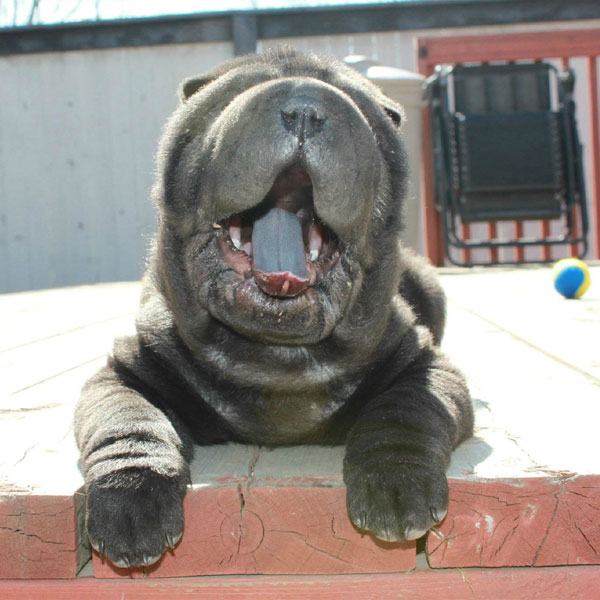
<point x="509" y="46"/>
<point x="432" y="222"/>
<point x="288" y="517"/>
<point x="519" y="250"/>
<point x="575" y="583"/>
<point x="517" y="495"/>
<point x="595" y="146"/>
<point x="38" y="537"/>
<point x="39" y="499"/>
<point x="522" y="522"/>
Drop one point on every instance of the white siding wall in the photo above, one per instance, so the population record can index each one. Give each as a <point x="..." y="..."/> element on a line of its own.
<point x="78" y="132"/>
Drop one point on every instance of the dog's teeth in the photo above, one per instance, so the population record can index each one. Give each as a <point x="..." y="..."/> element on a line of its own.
<point x="247" y="248"/>
<point x="315" y="241"/>
<point x="235" y="233"/>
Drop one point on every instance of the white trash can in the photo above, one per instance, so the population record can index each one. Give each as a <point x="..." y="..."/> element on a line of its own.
<point x="406" y="88"/>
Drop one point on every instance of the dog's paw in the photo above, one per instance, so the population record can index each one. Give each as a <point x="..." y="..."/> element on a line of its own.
<point x="133" y="517"/>
<point x="395" y="502"/>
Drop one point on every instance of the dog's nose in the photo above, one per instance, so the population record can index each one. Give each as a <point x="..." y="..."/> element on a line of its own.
<point x="303" y="116"/>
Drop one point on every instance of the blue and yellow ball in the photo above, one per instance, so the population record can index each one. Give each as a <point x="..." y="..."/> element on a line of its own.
<point x="571" y="277"/>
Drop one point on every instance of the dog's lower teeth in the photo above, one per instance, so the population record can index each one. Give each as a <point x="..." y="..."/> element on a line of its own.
<point x="315" y="240"/>
<point x="235" y="232"/>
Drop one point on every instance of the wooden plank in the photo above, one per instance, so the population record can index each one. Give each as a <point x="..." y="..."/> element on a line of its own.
<point x="432" y="222"/>
<point x="287" y="530"/>
<point x="31" y="364"/>
<point x="38" y="537"/>
<point x="531" y="521"/>
<point x="52" y="332"/>
<point x="37" y="448"/>
<point x="519" y="250"/>
<point x="280" y="511"/>
<point x="510" y="46"/>
<point x="70" y="298"/>
<point x="314" y="540"/>
<point x="524" y="303"/>
<point x="575" y="583"/>
<point x="510" y="378"/>
<point x="40" y="509"/>
<point x="30" y="316"/>
<point x="574" y="535"/>
<point x="594" y="126"/>
<point x="524" y="490"/>
<point x="41" y="513"/>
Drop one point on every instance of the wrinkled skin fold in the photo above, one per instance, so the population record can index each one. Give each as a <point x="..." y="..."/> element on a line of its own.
<point x="279" y="307"/>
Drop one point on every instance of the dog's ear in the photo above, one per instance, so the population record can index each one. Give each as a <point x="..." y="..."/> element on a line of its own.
<point x="394" y="112"/>
<point x="191" y="85"/>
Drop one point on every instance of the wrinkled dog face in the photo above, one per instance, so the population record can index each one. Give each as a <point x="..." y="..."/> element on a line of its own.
<point x="278" y="309"/>
<point x="277" y="175"/>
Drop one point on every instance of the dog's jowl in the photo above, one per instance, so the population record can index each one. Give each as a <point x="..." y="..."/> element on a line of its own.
<point x="279" y="307"/>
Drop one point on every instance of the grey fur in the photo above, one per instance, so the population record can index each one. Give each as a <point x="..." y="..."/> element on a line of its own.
<point x="354" y="359"/>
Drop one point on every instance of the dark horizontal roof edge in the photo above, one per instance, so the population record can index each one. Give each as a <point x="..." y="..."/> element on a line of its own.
<point x="126" y="21"/>
<point x="288" y="22"/>
<point x="122" y="22"/>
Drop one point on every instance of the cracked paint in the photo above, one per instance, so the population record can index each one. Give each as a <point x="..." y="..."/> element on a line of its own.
<point x="38" y="537"/>
<point x="547" y="521"/>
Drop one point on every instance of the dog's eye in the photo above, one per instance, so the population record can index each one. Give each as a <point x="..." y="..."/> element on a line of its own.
<point x="394" y="115"/>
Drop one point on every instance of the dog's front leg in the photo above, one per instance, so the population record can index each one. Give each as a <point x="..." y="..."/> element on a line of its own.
<point x="399" y="447"/>
<point x="136" y="469"/>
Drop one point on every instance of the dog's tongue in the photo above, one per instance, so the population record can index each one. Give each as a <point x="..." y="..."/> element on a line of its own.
<point x="278" y="254"/>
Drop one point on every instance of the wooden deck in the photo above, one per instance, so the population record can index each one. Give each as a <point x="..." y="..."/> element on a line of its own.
<point x="525" y="491"/>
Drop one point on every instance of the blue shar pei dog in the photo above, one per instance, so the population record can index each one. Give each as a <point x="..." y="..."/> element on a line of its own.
<point x="279" y="307"/>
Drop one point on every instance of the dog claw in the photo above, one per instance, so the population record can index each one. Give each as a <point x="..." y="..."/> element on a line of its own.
<point x="123" y="562"/>
<point x="99" y="547"/>
<point x="362" y="520"/>
<point x="436" y="516"/>
<point x="150" y="560"/>
<point x="414" y="534"/>
<point x="388" y="536"/>
<point x="172" y="541"/>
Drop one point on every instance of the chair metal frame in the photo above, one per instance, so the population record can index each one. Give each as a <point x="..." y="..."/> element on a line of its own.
<point x="449" y="173"/>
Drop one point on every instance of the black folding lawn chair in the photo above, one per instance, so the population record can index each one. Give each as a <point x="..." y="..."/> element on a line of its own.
<point x="506" y="149"/>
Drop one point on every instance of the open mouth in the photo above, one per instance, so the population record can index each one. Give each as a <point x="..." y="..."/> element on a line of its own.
<point x="282" y="243"/>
